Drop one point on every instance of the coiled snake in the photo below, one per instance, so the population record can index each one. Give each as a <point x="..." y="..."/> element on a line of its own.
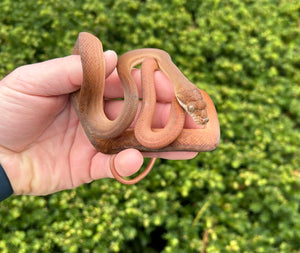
<point x="111" y="137"/>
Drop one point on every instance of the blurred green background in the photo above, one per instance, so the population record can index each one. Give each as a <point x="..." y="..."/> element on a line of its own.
<point x="242" y="197"/>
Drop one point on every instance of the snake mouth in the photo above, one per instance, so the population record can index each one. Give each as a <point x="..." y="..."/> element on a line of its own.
<point x="199" y="120"/>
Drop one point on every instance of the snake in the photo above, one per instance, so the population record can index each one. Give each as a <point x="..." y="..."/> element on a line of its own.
<point x="112" y="136"/>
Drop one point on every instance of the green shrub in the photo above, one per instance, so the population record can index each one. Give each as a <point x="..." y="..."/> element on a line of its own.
<point x="244" y="196"/>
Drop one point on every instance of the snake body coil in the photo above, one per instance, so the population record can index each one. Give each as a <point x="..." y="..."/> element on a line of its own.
<point x="111" y="137"/>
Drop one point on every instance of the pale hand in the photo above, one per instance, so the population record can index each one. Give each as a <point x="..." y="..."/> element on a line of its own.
<point x="43" y="148"/>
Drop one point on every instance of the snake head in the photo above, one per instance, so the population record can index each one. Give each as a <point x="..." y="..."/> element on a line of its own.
<point x="193" y="103"/>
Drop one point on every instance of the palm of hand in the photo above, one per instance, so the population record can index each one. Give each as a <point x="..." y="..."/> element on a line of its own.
<point x="42" y="139"/>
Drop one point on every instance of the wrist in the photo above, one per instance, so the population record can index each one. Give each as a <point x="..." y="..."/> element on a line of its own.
<point x="6" y="189"/>
<point x="11" y="165"/>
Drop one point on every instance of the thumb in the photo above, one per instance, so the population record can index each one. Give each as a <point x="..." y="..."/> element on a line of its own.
<point x="54" y="77"/>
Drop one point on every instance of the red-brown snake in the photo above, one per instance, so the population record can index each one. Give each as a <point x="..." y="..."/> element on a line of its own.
<point x="111" y="137"/>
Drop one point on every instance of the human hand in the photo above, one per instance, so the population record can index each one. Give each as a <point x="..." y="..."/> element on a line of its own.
<point x="43" y="147"/>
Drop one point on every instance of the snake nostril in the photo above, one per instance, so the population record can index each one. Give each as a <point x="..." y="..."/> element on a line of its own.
<point x="205" y="120"/>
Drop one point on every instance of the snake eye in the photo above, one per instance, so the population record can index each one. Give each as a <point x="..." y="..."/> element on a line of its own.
<point x="191" y="108"/>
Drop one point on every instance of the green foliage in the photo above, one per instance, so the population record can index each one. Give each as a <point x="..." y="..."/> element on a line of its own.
<point x="243" y="197"/>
